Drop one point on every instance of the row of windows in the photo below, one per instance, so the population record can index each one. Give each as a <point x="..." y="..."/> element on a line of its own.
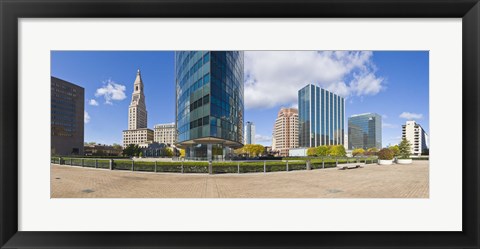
<point x="63" y="103"/>
<point x="68" y="88"/>
<point x="61" y="134"/>
<point x="199" y="122"/>
<point x="68" y="92"/>
<point x="63" y="108"/>
<point x="199" y="102"/>
<point x="56" y="112"/>
<point x="62" y="96"/>
<point x="61" y="123"/>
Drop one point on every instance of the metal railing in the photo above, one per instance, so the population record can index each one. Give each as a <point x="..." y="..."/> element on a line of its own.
<point x="215" y="167"/>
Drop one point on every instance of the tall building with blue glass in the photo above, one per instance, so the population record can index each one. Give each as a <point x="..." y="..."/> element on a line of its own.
<point x="209" y="103"/>
<point x="365" y="131"/>
<point x="321" y="115"/>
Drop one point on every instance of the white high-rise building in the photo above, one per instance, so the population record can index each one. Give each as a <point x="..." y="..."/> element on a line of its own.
<point x="285" y="131"/>
<point x="249" y="136"/>
<point x="416" y="135"/>
<point x="137" y="132"/>
<point x="165" y="133"/>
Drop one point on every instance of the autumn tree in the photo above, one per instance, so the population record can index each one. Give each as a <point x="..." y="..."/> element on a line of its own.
<point x="358" y="152"/>
<point x="337" y="151"/>
<point x="312" y="151"/>
<point x="395" y="149"/>
<point x="322" y="150"/>
<point x="252" y="150"/>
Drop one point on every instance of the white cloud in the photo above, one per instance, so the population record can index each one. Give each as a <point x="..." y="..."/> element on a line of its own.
<point x="384" y="116"/>
<point x="273" y="78"/>
<point x="388" y="125"/>
<point x="111" y="91"/>
<point x="86" y="117"/>
<point x="411" y="116"/>
<point x="262" y="139"/>
<point x="93" y="102"/>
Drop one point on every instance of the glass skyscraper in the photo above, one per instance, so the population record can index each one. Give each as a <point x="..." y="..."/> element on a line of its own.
<point x="209" y="103"/>
<point x="321" y="117"/>
<point x="249" y="133"/>
<point x="365" y="131"/>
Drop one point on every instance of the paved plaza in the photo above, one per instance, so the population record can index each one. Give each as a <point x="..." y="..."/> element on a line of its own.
<point x="373" y="181"/>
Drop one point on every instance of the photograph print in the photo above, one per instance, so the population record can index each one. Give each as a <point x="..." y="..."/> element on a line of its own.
<point x="239" y="124"/>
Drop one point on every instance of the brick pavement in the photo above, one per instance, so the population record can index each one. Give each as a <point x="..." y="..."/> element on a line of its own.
<point x="373" y="181"/>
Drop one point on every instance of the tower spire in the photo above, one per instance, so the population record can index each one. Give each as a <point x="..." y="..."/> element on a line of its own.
<point x="138" y="84"/>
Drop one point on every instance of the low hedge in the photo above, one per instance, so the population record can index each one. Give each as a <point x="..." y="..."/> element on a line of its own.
<point x="218" y="167"/>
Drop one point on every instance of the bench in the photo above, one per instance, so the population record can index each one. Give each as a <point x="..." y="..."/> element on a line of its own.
<point x="350" y="166"/>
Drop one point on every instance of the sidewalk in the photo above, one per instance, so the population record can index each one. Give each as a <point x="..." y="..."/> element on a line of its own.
<point x="396" y="181"/>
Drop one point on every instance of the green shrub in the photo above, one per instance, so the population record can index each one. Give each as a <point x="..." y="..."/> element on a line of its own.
<point x="122" y="164"/>
<point x="385" y="154"/>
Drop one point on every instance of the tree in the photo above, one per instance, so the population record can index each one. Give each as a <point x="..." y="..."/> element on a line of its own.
<point x="312" y="151"/>
<point x="182" y="153"/>
<point x="140" y="154"/>
<point x="358" y="152"/>
<point x="136" y="150"/>
<point x="117" y="146"/>
<point x="372" y="151"/>
<point x="239" y="151"/>
<point x="385" y="154"/>
<point x="404" y="148"/>
<point x="322" y="150"/>
<point x="395" y="150"/>
<point x="167" y="152"/>
<point x="258" y="149"/>
<point x="337" y="151"/>
<point x="252" y="150"/>
<point x="131" y="150"/>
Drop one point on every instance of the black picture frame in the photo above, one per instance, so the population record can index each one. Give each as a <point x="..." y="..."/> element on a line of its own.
<point x="11" y="11"/>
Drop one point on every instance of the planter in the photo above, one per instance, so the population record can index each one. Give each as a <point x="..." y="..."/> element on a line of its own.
<point x="404" y="161"/>
<point x="385" y="162"/>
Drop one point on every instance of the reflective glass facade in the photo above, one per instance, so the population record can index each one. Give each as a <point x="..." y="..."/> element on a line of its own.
<point x="249" y="133"/>
<point x="321" y="117"/>
<point x="365" y="131"/>
<point x="209" y="99"/>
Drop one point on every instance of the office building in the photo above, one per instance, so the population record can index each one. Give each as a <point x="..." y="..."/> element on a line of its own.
<point x="67" y="118"/>
<point x="165" y="133"/>
<point x="249" y="133"/>
<point x="209" y="103"/>
<point x="137" y="132"/>
<point x="417" y="137"/>
<point x="365" y="131"/>
<point x="285" y="131"/>
<point x="321" y="117"/>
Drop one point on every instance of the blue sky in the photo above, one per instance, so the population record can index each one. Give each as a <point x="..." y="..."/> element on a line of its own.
<point x="393" y="84"/>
